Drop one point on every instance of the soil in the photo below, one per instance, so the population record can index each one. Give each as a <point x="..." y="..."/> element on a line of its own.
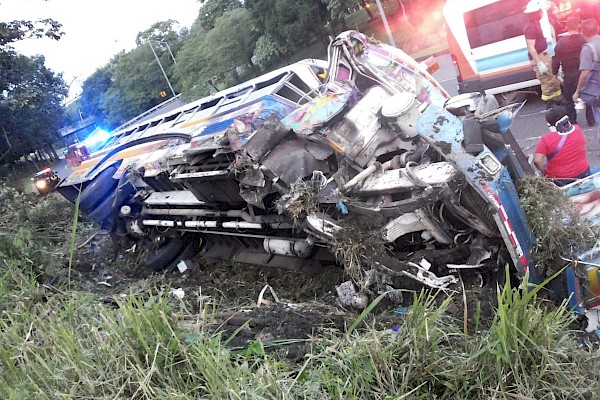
<point x="294" y="308"/>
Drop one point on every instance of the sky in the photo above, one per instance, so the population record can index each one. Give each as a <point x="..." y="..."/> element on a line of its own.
<point x="95" y="30"/>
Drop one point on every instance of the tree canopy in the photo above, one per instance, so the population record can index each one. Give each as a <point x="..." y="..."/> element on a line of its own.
<point x="213" y="9"/>
<point x="230" y="41"/>
<point x="30" y="93"/>
<point x="288" y="25"/>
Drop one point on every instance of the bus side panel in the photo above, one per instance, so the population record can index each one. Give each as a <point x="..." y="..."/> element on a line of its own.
<point x="487" y="44"/>
<point x="465" y="72"/>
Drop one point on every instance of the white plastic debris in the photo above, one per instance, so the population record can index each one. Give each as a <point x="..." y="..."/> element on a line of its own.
<point x="593" y="317"/>
<point x="179" y="293"/>
<point x="261" y="300"/>
<point x="425" y="264"/>
<point x="182" y="266"/>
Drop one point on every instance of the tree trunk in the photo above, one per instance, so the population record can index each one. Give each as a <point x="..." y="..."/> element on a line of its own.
<point x="53" y="152"/>
<point x="37" y="168"/>
<point x="7" y="152"/>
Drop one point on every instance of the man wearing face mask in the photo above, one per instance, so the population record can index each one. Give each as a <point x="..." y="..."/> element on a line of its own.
<point x="563" y="148"/>
<point x="541" y="60"/>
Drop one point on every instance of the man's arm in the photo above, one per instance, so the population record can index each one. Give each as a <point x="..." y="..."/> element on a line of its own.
<point x="532" y="51"/>
<point x="556" y="60"/>
<point x="538" y="161"/>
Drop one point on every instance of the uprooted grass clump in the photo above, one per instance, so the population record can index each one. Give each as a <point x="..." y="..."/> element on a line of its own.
<point x="299" y="201"/>
<point x="355" y="243"/>
<point x="555" y="221"/>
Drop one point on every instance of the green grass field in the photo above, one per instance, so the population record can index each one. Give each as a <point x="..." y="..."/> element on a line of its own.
<point x="62" y="341"/>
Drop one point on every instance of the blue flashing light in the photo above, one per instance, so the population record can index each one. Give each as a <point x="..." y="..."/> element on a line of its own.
<point x="100" y="136"/>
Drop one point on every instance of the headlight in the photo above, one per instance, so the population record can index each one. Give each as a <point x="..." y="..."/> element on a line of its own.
<point x="41" y="184"/>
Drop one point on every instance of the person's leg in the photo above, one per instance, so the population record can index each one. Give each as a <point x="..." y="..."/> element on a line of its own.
<point x="596" y="111"/>
<point x="569" y="86"/>
<point x="589" y="115"/>
<point x="551" y="90"/>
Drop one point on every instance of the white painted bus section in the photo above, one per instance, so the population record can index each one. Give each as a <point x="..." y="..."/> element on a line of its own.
<point x="493" y="57"/>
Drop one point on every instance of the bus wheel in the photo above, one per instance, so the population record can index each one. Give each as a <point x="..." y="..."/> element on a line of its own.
<point x="160" y="256"/>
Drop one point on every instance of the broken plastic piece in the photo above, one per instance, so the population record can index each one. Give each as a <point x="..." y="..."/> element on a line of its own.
<point x="342" y="208"/>
<point x="179" y="293"/>
<point x="182" y="266"/>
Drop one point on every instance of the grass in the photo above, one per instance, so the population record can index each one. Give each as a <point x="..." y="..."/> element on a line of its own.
<point x="555" y="221"/>
<point x="69" y="344"/>
<point x="72" y="346"/>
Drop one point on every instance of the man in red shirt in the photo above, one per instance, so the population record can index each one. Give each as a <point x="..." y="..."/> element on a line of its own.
<point x="563" y="148"/>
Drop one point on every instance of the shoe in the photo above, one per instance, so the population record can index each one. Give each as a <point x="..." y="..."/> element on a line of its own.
<point x="591" y="124"/>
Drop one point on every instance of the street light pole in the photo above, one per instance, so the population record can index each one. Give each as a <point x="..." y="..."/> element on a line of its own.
<point x="162" y="69"/>
<point x="170" y="52"/>
<point x="385" y="23"/>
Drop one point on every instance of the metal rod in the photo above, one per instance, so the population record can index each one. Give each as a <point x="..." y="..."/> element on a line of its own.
<point x="170" y="52"/>
<point x="385" y="23"/>
<point x="162" y="69"/>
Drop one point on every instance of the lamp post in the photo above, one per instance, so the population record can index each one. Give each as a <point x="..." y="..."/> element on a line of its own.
<point x="170" y="52"/>
<point x="385" y="23"/>
<point x="162" y="69"/>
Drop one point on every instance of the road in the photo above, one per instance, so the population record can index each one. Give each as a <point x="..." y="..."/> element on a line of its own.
<point x="530" y="123"/>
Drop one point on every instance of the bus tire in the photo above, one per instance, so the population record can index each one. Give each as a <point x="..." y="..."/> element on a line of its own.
<point x="100" y="187"/>
<point x="190" y="250"/>
<point x="161" y="257"/>
<point x="103" y="211"/>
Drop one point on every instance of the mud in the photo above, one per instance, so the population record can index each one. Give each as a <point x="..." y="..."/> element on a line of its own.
<point x="303" y="308"/>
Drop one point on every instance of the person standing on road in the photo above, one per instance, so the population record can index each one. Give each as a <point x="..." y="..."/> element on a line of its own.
<point x="541" y="61"/>
<point x="589" y="31"/>
<point x="566" y="54"/>
<point x="563" y="148"/>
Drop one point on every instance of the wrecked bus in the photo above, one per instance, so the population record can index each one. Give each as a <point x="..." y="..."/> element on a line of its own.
<point x="363" y="160"/>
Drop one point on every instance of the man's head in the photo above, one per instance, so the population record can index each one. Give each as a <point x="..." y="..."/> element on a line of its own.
<point x="572" y="24"/>
<point x="533" y="10"/>
<point x="589" y="28"/>
<point x="557" y="120"/>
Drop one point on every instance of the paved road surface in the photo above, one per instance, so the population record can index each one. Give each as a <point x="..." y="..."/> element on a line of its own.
<point x="530" y="123"/>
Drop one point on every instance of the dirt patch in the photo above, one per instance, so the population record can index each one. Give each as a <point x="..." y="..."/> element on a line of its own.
<point x="287" y="328"/>
<point x="288" y="323"/>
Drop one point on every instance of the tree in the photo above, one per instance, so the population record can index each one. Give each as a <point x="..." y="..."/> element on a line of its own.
<point x="132" y="82"/>
<point x="266" y="51"/>
<point x="162" y="32"/>
<point x="213" y="9"/>
<point x="14" y="31"/>
<point x="189" y="73"/>
<point x="338" y="9"/>
<point x="93" y="90"/>
<point x="30" y="108"/>
<point x="136" y="83"/>
<point x="30" y="93"/>
<point x="225" y="48"/>
<point x="289" y="25"/>
<point x="218" y="54"/>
